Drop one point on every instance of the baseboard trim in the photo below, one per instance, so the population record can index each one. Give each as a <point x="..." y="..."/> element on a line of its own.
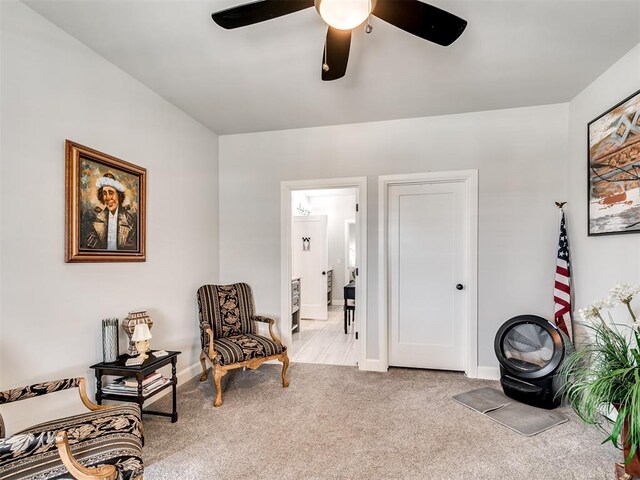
<point x="183" y="376"/>
<point x="489" y="373"/>
<point x="186" y="374"/>
<point x="372" y="366"/>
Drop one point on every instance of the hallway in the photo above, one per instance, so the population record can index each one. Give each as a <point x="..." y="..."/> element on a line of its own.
<point x="325" y="341"/>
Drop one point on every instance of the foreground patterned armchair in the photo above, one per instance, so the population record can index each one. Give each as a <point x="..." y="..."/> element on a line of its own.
<point x="228" y="334"/>
<point x="102" y="444"/>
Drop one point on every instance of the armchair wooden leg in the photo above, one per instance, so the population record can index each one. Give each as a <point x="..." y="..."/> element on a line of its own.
<point x="78" y="471"/>
<point x="218" y="373"/>
<point x="284" y="358"/>
<point x="205" y="370"/>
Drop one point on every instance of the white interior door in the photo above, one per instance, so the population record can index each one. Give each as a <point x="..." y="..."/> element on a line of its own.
<point x="427" y="258"/>
<point x="310" y="257"/>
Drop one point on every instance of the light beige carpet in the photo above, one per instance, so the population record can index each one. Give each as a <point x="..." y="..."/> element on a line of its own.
<point x="336" y="422"/>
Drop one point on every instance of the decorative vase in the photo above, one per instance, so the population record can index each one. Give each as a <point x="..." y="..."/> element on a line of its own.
<point x="633" y="467"/>
<point x="110" y="341"/>
<point x="129" y="324"/>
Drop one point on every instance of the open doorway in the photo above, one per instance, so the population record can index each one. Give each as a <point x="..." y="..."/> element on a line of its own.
<point x="322" y="250"/>
<point x="319" y="331"/>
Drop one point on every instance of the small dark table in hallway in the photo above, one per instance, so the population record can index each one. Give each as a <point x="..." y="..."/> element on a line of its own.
<point x="349" y="304"/>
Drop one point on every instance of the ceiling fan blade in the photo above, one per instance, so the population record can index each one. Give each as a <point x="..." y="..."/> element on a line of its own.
<point x="336" y="53"/>
<point x="421" y="19"/>
<point x="257" y="12"/>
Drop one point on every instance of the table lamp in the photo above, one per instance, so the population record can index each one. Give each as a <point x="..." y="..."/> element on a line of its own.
<point x="141" y="336"/>
<point x="129" y="323"/>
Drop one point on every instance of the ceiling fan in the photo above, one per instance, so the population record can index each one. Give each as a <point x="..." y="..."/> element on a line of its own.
<point x="342" y="16"/>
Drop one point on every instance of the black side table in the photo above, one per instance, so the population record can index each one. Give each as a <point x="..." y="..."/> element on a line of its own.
<point x="150" y="365"/>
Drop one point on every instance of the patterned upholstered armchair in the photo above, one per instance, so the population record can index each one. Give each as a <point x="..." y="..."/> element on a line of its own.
<point x="229" y="335"/>
<point x="102" y="444"/>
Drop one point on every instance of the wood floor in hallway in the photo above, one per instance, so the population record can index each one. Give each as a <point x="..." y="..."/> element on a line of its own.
<point x="325" y="341"/>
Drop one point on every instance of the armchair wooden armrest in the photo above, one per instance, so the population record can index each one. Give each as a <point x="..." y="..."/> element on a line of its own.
<point x="78" y="471"/>
<point x="212" y="353"/>
<point x="44" y="388"/>
<point x="271" y="322"/>
<point x="82" y="389"/>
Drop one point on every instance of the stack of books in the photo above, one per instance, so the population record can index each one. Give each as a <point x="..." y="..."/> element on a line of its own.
<point x="129" y="385"/>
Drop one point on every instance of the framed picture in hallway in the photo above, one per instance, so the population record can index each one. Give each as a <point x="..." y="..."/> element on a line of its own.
<point x="614" y="169"/>
<point x="105" y="207"/>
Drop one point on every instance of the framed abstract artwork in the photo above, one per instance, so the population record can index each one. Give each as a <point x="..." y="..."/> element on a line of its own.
<point x="614" y="169"/>
<point x="105" y="208"/>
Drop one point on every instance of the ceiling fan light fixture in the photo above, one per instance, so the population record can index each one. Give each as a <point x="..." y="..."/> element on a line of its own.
<point x="344" y="14"/>
<point x="413" y="16"/>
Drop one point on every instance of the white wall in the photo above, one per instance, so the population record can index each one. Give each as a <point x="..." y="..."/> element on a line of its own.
<point x="521" y="155"/>
<point x="337" y="208"/>
<point x="54" y="88"/>
<point x="300" y="201"/>
<point x="598" y="262"/>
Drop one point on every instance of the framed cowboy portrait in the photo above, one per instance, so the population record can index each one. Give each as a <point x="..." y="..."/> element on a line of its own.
<point x="105" y="207"/>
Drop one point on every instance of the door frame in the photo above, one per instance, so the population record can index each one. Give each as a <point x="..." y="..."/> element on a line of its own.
<point x="347" y="222"/>
<point x="286" y="188"/>
<point x="470" y="180"/>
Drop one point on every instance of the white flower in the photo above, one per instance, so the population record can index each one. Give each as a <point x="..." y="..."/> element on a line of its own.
<point x="623" y="292"/>
<point x="603" y="303"/>
<point x="589" y="313"/>
<point x="592" y="312"/>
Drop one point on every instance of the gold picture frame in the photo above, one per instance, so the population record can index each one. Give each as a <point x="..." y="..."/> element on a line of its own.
<point x="105" y="207"/>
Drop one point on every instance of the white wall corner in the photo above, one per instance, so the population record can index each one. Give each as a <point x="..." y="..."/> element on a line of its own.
<point x="488" y="373"/>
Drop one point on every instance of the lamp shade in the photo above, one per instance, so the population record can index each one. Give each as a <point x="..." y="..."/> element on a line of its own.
<point x="141" y="333"/>
<point x="344" y="14"/>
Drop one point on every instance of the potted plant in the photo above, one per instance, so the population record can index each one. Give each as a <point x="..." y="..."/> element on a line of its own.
<point x="602" y="375"/>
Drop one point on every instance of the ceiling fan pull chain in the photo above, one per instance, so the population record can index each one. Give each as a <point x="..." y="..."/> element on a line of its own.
<point x="369" y="27"/>
<point x="325" y="65"/>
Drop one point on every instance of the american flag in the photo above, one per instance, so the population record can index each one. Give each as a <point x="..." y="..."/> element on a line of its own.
<point x="562" y="290"/>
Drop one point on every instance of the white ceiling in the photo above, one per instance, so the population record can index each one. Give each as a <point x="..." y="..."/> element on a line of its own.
<point x="267" y="76"/>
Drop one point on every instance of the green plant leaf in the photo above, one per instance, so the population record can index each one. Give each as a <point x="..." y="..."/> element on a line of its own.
<point x="605" y="371"/>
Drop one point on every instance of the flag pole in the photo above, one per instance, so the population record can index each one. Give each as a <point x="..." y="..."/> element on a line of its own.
<point x="563" y="293"/>
<point x="560" y="206"/>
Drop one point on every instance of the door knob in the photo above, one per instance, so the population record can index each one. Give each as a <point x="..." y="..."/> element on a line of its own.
<point x="324" y="273"/>
<point x="459" y="286"/>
